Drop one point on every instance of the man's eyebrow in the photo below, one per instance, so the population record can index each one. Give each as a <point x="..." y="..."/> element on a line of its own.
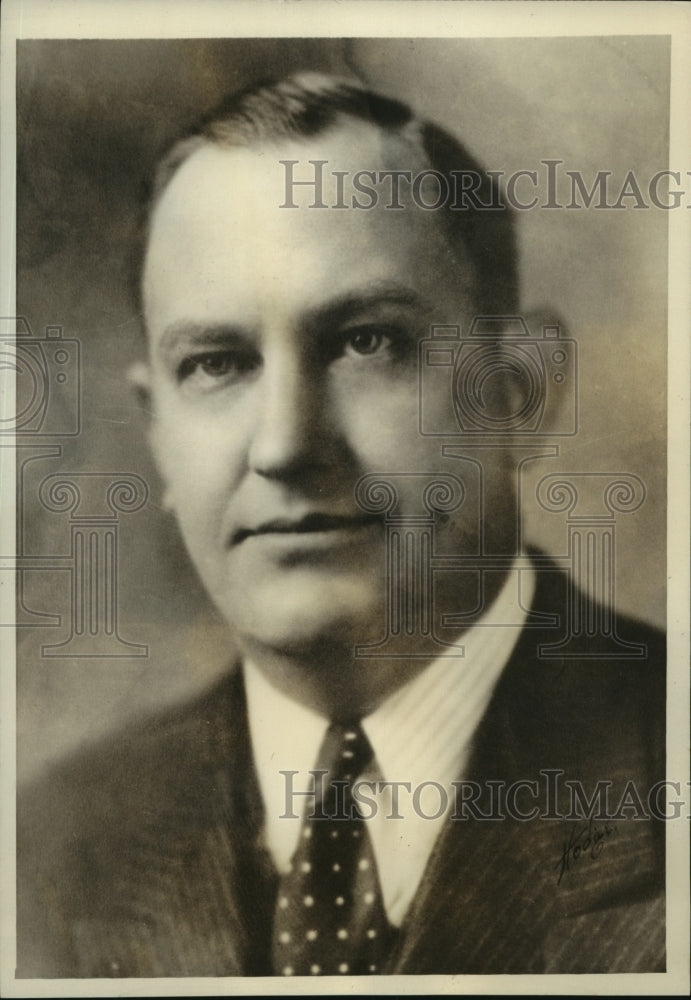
<point x="344" y="306"/>
<point x="191" y="334"/>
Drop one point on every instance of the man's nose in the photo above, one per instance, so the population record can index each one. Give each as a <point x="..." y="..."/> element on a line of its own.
<point x="293" y="429"/>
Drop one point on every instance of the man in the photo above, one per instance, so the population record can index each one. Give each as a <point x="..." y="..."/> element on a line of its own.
<point x="285" y="310"/>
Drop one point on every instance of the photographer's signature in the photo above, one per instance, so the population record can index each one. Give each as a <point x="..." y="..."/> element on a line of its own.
<point x="587" y="840"/>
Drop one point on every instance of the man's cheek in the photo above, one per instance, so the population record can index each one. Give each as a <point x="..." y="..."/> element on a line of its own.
<point x="192" y="489"/>
<point x="387" y="437"/>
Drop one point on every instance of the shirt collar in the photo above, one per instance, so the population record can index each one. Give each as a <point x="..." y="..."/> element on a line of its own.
<point x="423" y="730"/>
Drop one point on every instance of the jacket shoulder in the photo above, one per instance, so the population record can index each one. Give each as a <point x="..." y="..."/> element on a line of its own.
<point x="592" y="696"/>
<point x="98" y="819"/>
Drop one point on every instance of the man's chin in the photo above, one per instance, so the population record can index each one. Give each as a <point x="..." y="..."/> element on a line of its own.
<point x="301" y="618"/>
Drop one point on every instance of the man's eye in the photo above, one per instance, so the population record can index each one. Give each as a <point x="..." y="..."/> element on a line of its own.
<point x="368" y="340"/>
<point x="213" y="366"/>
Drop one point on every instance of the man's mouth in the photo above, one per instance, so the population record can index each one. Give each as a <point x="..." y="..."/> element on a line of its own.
<point x="309" y="524"/>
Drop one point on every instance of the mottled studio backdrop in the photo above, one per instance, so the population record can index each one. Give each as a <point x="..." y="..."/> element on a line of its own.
<point x="92" y="118"/>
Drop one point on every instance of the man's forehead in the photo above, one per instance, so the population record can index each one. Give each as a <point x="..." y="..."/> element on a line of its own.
<point x="223" y="230"/>
<point x="345" y="151"/>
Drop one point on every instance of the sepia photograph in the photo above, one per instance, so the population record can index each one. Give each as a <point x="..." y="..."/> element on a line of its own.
<point x="343" y="368"/>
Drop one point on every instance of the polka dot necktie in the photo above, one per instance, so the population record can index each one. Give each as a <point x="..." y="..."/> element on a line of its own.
<point x="330" y="917"/>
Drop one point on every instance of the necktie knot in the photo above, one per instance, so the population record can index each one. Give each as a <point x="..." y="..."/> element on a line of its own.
<point x="345" y="753"/>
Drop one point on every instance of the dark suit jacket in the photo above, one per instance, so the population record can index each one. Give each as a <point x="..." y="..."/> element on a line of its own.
<point x="142" y="856"/>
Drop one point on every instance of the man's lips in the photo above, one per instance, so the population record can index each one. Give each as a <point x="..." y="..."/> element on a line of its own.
<point x="309" y="524"/>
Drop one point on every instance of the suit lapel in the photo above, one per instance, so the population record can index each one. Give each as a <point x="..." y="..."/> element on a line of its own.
<point x="193" y="890"/>
<point x="480" y="901"/>
<point x="495" y="888"/>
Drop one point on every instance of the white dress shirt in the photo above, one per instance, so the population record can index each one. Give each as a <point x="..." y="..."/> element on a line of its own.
<point x="420" y="735"/>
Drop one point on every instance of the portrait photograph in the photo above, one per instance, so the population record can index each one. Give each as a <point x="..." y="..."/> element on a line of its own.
<point x="345" y="460"/>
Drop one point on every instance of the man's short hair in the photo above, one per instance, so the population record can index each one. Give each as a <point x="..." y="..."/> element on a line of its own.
<point x="308" y="104"/>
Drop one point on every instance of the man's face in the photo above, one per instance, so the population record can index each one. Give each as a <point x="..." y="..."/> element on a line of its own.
<point x="283" y="368"/>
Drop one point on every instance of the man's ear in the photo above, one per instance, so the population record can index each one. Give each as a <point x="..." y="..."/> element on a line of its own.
<point x="558" y="351"/>
<point x="139" y="378"/>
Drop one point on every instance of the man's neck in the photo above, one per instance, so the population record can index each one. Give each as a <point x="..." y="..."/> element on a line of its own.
<point x="328" y="677"/>
<point x="334" y="682"/>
